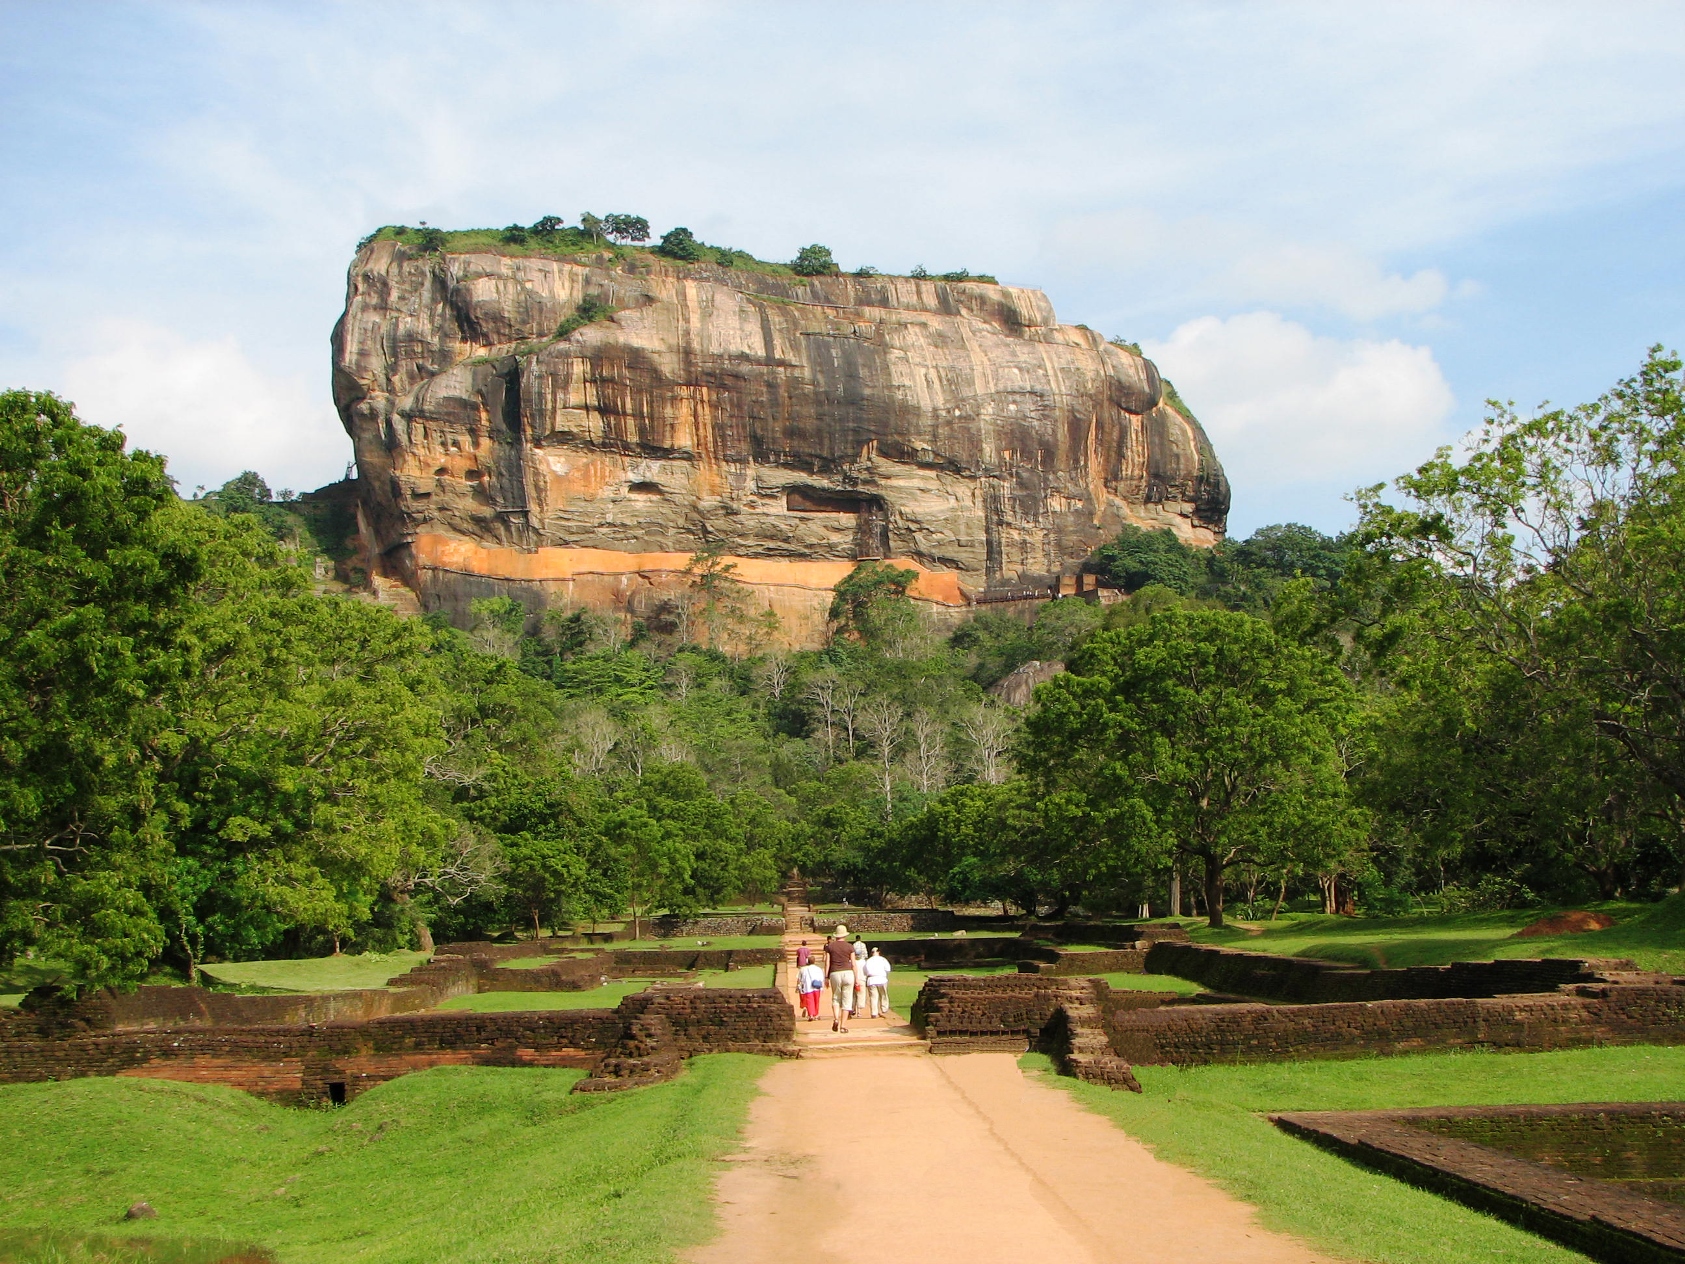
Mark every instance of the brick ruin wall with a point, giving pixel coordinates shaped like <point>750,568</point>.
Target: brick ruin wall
<point>1195,1035</point>
<point>1308,981</point>
<point>1013,1012</point>
<point>1630,1218</point>
<point>300,1063</point>
<point>888,921</point>
<point>707,924</point>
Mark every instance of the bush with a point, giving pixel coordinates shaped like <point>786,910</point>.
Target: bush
<point>430,241</point>
<point>866,270</point>
<point>680,243</point>
<point>1492,893</point>
<point>814,260</point>
<point>589,310</point>
<point>548,226</point>
<point>918,272</point>
<point>626,227</point>
<point>1138,558</point>
<point>962,274</point>
<point>515,235</point>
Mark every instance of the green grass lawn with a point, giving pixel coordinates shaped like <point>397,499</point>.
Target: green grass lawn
<point>466,1164</point>
<point>1653,935</point>
<point>1152,983</point>
<point>1211,1120</point>
<point>318,974</point>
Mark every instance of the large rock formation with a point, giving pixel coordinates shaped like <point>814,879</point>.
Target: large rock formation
<point>796,426</point>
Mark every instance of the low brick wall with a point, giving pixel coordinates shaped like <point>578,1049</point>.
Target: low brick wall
<point>634,962</point>
<point>887,921</point>
<point>336,1061</point>
<point>1013,1013</point>
<point>1125,935</point>
<point>578,974</point>
<point>710,924</point>
<point>1606,1220</point>
<point>176,1007</point>
<point>1194,1035</point>
<point>1061,963</point>
<point>957,952</point>
<point>1305,980</point>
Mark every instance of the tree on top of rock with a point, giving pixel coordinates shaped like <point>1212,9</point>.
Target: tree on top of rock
<point>626,227</point>
<point>680,243</point>
<point>814,260</point>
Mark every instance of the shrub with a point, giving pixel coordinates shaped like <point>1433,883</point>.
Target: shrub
<point>626,227</point>
<point>918,272</point>
<point>814,260</point>
<point>548,225</point>
<point>515,234</point>
<point>962,274</point>
<point>680,243</point>
<point>589,310</point>
<point>866,270</point>
<point>727,257</point>
<point>1493,891</point>
<point>430,241</point>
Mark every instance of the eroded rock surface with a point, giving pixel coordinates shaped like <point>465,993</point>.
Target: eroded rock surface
<point>797,426</point>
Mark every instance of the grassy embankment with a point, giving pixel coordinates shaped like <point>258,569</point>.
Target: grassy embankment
<point>570,243</point>
<point>1211,1120</point>
<point>417,1170</point>
<point>1653,935</point>
<point>317,974</point>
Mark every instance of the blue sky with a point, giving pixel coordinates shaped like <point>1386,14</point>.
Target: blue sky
<point>1339,228</point>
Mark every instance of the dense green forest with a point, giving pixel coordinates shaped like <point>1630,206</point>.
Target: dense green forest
<point>1476,698</point>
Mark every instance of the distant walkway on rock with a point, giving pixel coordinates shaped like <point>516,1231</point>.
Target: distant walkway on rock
<point>961,1160</point>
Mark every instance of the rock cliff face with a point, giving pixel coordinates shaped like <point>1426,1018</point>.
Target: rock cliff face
<point>794,426</point>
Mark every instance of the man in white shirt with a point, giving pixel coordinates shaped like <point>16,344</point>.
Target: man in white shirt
<point>859,973</point>
<point>876,972</point>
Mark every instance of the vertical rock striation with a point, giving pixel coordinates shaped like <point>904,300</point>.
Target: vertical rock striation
<point>795,426</point>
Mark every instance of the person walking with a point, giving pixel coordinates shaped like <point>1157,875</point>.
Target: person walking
<point>859,974</point>
<point>877,970</point>
<point>810,982</point>
<point>839,966</point>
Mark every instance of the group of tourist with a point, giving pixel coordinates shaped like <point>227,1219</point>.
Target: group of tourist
<point>858,978</point>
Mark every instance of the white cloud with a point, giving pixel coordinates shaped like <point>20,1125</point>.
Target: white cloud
<point>1229,262</point>
<point>1289,409</point>
<point>206,406</point>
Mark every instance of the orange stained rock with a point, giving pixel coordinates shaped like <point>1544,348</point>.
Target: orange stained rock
<point>453,553</point>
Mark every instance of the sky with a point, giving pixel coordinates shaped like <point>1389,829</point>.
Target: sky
<point>1338,228</point>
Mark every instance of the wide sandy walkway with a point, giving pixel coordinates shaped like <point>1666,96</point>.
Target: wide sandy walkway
<point>878,1159</point>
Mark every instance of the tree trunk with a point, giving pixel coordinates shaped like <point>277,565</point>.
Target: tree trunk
<point>536,932</point>
<point>1176,890</point>
<point>1281,896</point>
<point>424,936</point>
<point>1330,892</point>
<point>1213,891</point>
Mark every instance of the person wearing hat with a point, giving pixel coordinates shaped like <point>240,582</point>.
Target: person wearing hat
<point>839,967</point>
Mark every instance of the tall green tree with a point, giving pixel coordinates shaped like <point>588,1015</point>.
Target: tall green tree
<point>94,589</point>
<point>1556,548</point>
<point>1200,733</point>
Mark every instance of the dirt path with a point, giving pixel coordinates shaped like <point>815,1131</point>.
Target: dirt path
<point>880,1159</point>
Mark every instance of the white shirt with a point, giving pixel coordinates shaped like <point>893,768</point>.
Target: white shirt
<point>859,952</point>
<point>877,970</point>
<point>810,978</point>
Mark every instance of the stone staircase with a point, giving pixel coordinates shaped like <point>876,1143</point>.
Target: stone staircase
<point>876,1036</point>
